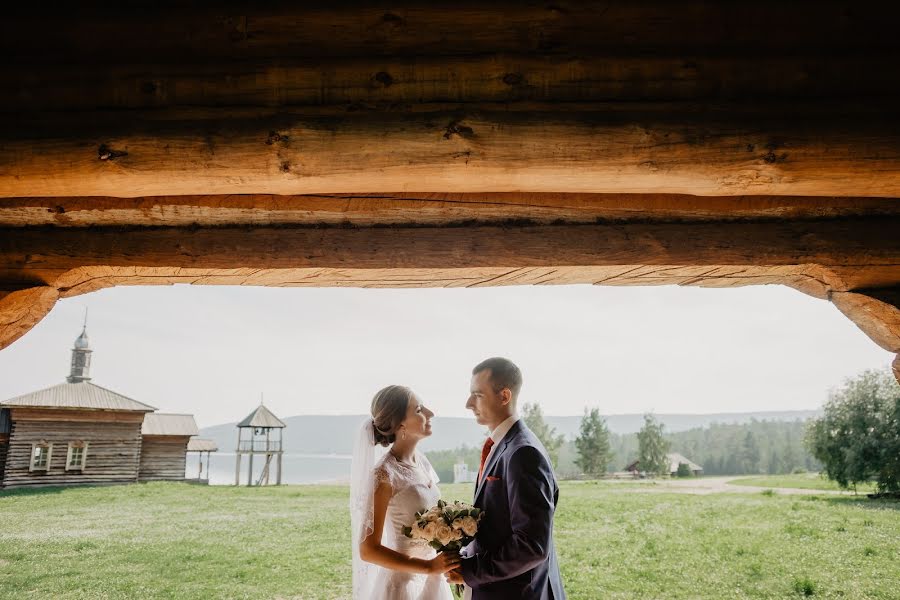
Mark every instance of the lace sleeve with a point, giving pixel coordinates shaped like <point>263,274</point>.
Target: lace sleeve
<point>385,474</point>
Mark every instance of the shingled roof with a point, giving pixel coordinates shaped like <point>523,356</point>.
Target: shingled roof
<point>85,395</point>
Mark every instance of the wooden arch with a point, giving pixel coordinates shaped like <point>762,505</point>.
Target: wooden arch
<point>614,143</point>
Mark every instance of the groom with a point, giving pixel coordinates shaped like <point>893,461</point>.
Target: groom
<point>513,555</point>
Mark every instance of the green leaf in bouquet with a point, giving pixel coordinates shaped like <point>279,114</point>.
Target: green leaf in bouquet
<point>436,545</point>
<point>407,531</point>
<point>441,504</point>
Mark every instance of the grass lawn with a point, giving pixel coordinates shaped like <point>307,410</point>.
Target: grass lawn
<point>181,541</point>
<point>802,481</point>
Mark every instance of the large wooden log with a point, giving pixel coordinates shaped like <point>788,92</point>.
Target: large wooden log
<point>21,310</point>
<point>831,243</point>
<point>428,80</point>
<point>424,209</point>
<point>595,148</point>
<point>815,256</point>
<point>876,312</point>
<point>821,257</point>
<point>174,30</point>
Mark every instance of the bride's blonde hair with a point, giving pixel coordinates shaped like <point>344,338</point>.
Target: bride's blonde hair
<point>389,411</point>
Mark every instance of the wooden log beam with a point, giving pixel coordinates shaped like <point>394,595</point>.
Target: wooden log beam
<point>826,258</point>
<point>876,312</point>
<point>174,30</point>
<point>832,243</point>
<point>588,149</point>
<point>22,310</point>
<point>259,210</point>
<point>466,79</point>
<point>814,256</point>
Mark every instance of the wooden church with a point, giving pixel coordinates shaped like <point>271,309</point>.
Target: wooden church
<point>78,432</point>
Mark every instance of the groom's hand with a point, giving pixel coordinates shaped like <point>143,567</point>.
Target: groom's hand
<point>454,576</point>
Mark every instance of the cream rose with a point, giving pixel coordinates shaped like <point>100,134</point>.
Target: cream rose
<point>443,534</point>
<point>466,524</point>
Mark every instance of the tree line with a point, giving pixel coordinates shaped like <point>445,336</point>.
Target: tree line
<point>856,440</point>
<point>758,447</point>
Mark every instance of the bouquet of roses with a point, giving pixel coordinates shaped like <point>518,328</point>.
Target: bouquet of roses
<point>446,527</point>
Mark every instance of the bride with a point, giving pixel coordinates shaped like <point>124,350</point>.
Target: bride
<point>384,498</point>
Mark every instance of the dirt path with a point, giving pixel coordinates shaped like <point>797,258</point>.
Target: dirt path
<point>714,485</point>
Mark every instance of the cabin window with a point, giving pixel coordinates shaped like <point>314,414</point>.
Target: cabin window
<point>77,456</point>
<point>40,457</point>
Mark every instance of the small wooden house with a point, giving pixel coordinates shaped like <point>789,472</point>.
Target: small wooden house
<point>674,459</point>
<point>72,433</point>
<point>80,433</point>
<point>165,445</point>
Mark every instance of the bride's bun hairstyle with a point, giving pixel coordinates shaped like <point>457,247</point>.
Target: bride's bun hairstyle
<point>389,411</point>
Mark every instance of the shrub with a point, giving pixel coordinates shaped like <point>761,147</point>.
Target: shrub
<point>805,587</point>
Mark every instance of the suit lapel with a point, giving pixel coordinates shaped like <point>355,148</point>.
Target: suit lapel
<point>501,448</point>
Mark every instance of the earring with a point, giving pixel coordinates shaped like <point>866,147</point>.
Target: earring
<point>404,436</point>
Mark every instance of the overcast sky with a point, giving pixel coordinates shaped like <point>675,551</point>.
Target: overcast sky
<point>212,350</point>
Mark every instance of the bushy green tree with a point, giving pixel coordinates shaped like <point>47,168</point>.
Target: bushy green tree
<point>592,444</point>
<point>652,447</point>
<point>858,437</point>
<point>534,419</point>
<point>684,470</point>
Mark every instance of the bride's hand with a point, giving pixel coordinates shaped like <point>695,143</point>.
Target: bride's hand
<point>443,562</point>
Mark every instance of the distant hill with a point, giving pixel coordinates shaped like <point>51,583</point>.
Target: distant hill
<point>322,434</point>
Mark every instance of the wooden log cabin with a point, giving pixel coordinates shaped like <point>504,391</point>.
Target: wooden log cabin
<point>78,433</point>
<point>425,143</point>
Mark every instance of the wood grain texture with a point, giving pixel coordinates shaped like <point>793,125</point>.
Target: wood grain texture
<point>595,150</point>
<point>842,242</point>
<point>75,415</point>
<point>163,458</point>
<point>880,320</point>
<point>816,256</point>
<point>113,453</point>
<point>4,452</point>
<point>399,81</point>
<point>424,208</point>
<point>21,310</point>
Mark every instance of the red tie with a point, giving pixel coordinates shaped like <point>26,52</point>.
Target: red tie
<point>485,450</point>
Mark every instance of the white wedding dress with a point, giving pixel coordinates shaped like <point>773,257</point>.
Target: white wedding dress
<point>415,489</point>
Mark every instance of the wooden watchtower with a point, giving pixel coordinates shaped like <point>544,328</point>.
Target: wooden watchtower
<point>260,433</point>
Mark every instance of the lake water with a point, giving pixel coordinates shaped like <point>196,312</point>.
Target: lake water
<point>298,468</point>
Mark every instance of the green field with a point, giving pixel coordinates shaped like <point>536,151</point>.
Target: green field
<point>183,541</point>
<point>803,481</point>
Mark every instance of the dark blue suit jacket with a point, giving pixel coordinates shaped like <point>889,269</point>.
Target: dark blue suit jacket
<point>513,555</point>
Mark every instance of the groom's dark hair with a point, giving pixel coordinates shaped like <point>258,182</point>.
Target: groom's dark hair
<point>504,374</point>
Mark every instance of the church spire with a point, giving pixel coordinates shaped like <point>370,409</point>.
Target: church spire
<point>81,357</point>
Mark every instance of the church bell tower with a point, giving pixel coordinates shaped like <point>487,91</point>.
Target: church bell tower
<point>81,358</point>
